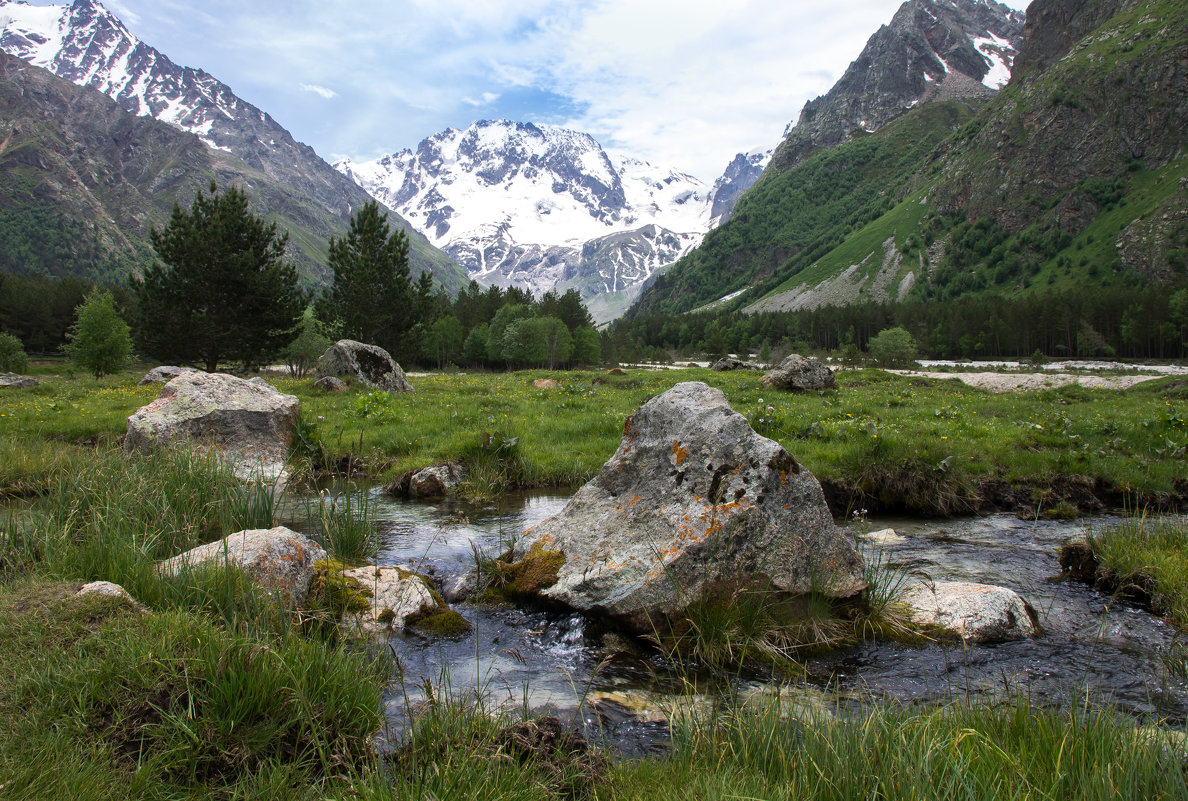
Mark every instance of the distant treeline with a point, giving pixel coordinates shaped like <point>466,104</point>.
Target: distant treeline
<point>39,310</point>
<point>1149,322</point>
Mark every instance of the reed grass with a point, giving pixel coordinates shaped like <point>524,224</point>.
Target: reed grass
<point>1147,557</point>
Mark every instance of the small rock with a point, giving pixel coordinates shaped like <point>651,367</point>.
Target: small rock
<point>163,374</point>
<point>974,612</point>
<point>884,537</point>
<point>398,598</point>
<point>798,374</point>
<point>370,364</point>
<point>330,383</point>
<point>279,559</point>
<point>731,363</point>
<point>545,383</point>
<point>14,381</point>
<point>649,707</point>
<point>428,482</point>
<point>105,588</point>
<point>616,371</point>
<point>459,587</point>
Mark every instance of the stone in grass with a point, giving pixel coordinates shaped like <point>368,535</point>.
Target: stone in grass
<point>692,502</point>
<point>329,383</point>
<point>733,363</point>
<point>14,381</point>
<point>398,598</point>
<point>249,425</point>
<point>545,383</point>
<point>975,612</point>
<point>369,364</point>
<point>798,374</point>
<point>279,559</point>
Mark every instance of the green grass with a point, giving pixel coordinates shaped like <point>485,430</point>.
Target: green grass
<point>1148,558</point>
<point>880,441</point>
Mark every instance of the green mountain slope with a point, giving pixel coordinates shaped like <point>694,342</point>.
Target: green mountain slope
<point>1073,176</point>
<point>82,181</point>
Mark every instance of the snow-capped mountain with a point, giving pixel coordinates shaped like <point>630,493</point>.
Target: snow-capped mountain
<point>540,207</point>
<point>932,49</point>
<point>86,44</point>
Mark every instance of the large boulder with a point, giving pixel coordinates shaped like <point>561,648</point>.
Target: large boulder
<point>279,559</point>
<point>692,503</point>
<point>370,364</point>
<point>163,374</point>
<point>250,425</point>
<point>798,374</point>
<point>974,612</point>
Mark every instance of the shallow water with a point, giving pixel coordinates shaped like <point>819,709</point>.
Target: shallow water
<point>1090,645</point>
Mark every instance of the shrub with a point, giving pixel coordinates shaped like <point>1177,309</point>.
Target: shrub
<point>12,355</point>
<point>893,347</point>
<point>99,340</point>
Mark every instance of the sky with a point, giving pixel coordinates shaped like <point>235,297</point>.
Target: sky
<point>682,83</point>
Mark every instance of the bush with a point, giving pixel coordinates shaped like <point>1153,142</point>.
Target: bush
<point>12,355</point>
<point>893,347</point>
<point>99,339</point>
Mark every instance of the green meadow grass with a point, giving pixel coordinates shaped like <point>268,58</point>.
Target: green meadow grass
<point>1150,556</point>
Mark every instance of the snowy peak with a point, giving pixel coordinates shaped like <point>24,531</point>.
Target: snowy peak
<point>931,50</point>
<point>517,204</point>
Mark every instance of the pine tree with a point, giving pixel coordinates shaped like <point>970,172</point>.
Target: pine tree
<point>224,292</point>
<point>371,298</point>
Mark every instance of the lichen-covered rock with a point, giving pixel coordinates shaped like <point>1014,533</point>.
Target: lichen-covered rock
<point>369,364</point>
<point>105,588</point>
<point>330,383</point>
<point>249,425</point>
<point>163,374</point>
<point>14,381</point>
<point>974,612</point>
<point>731,363</point>
<point>693,501</point>
<point>398,598</point>
<point>279,559</point>
<point>428,482</point>
<point>798,374</point>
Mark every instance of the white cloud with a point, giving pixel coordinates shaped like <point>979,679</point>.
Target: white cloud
<point>487,99</point>
<point>321,91</point>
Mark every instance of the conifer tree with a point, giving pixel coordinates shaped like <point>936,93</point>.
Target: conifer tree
<point>224,291</point>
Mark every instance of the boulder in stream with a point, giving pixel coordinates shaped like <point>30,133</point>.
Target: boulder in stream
<point>428,482</point>
<point>249,425</point>
<point>391,598</point>
<point>370,364</point>
<point>693,503</point>
<point>974,612</point>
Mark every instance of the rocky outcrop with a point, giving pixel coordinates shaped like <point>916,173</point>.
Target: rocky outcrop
<point>693,502</point>
<point>798,374</point>
<point>428,482</point>
<point>395,598</point>
<point>14,381</point>
<point>163,374</point>
<point>369,364</point>
<point>279,559</point>
<point>249,425</point>
<point>974,612</point>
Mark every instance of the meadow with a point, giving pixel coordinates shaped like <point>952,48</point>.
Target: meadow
<point>207,688</point>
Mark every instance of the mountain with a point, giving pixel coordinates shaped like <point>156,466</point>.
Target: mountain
<point>1071,178</point>
<point>540,207</point>
<point>930,51</point>
<point>87,45</point>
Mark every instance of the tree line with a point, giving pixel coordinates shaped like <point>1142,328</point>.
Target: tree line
<point>1125,322</point>
<point>222,292</point>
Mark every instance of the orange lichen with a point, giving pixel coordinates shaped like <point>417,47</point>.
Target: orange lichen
<point>680,453</point>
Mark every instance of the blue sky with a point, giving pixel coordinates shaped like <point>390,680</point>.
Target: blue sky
<point>684,83</point>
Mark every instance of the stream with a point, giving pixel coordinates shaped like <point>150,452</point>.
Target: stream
<point>1091,646</point>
